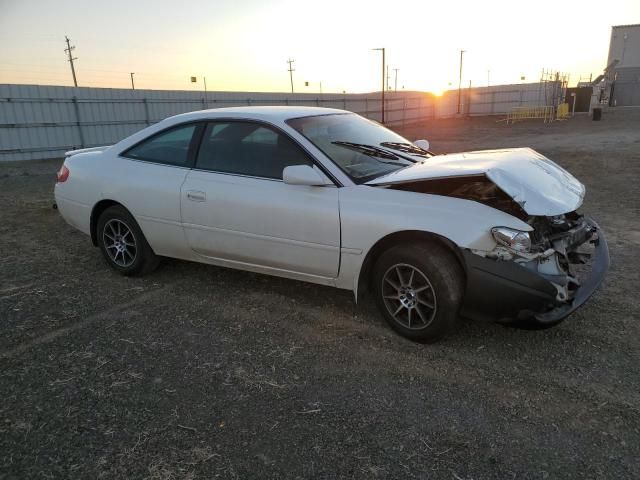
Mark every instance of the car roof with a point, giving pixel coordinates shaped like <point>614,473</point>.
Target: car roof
<point>271,113</point>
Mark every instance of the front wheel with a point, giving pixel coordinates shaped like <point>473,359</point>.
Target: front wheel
<point>122,243</point>
<point>419,289</point>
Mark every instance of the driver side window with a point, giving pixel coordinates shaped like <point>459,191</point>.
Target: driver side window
<point>248,148</point>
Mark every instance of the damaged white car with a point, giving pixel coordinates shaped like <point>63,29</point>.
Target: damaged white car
<point>328,197</point>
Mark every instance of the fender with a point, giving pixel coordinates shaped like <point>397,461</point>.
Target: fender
<point>368,214</point>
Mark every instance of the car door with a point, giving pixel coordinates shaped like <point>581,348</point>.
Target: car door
<point>147,178</point>
<point>236,207</point>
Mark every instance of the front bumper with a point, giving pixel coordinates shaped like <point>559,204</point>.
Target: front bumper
<point>599,269</point>
<point>503,290</point>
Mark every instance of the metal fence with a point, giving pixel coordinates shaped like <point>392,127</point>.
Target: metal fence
<point>39,122</point>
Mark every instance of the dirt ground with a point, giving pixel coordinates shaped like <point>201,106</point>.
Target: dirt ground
<point>202,372</point>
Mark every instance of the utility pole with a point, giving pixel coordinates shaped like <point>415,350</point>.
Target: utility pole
<point>460,81</point>
<point>133,85</point>
<point>71,59</point>
<point>383,71</point>
<point>291,70</point>
<point>488,82</point>
<point>395,86</point>
<point>204,79</point>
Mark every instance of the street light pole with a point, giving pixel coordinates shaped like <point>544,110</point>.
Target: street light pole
<point>388,77</point>
<point>133,86</point>
<point>460,81</point>
<point>383,75</point>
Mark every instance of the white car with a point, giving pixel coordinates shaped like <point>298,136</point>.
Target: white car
<point>328,197</point>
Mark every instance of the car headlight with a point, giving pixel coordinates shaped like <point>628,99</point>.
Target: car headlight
<point>513,239</point>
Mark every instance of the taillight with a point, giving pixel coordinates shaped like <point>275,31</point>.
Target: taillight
<point>63,174</point>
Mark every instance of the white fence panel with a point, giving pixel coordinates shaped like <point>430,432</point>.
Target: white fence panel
<point>45,121</point>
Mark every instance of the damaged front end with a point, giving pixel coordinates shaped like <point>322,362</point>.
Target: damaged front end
<point>537,277</point>
<point>566,260</point>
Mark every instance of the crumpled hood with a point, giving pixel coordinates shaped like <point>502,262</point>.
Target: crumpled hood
<point>538,185</point>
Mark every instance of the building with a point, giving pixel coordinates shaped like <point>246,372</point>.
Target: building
<point>623,65</point>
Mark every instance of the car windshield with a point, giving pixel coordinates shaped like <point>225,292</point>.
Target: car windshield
<point>363,149</point>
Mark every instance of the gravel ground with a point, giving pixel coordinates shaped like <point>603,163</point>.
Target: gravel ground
<point>202,372</point>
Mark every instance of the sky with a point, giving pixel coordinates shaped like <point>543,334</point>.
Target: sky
<point>244,45</point>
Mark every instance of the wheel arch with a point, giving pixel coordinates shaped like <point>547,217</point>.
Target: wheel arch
<point>397,238</point>
<point>97,210</point>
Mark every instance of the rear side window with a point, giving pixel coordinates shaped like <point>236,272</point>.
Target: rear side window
<point>170,147</point>
<point>247,148</point>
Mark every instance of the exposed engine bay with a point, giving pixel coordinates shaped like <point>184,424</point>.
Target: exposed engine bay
<point>478,188</point>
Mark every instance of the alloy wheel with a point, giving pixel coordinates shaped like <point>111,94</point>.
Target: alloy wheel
<point>119,242</point>
<point>408,296</point>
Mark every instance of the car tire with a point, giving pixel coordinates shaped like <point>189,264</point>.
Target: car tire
<point>419,290</point>
<point>123,244</point>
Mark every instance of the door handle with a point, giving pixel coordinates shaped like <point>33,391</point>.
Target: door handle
<point>196,196</point>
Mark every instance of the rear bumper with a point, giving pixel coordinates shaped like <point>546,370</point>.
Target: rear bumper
<point>506,291</point>
<point>74,213</point>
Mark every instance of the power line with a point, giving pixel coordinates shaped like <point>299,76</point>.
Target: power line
<point>71,59</point>
<point>40,62</point>
<point>291,70</point>
<point>36,71</point>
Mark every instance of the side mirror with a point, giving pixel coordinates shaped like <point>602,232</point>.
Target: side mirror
<point>302,175</point>
<point>423,144</point>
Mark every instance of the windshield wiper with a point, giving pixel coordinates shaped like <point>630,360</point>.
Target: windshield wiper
<point>406,148</point>
<point>370,150</point>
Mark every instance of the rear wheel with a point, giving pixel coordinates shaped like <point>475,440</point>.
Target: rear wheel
<point>122,243</point>
<point>418,289</point>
